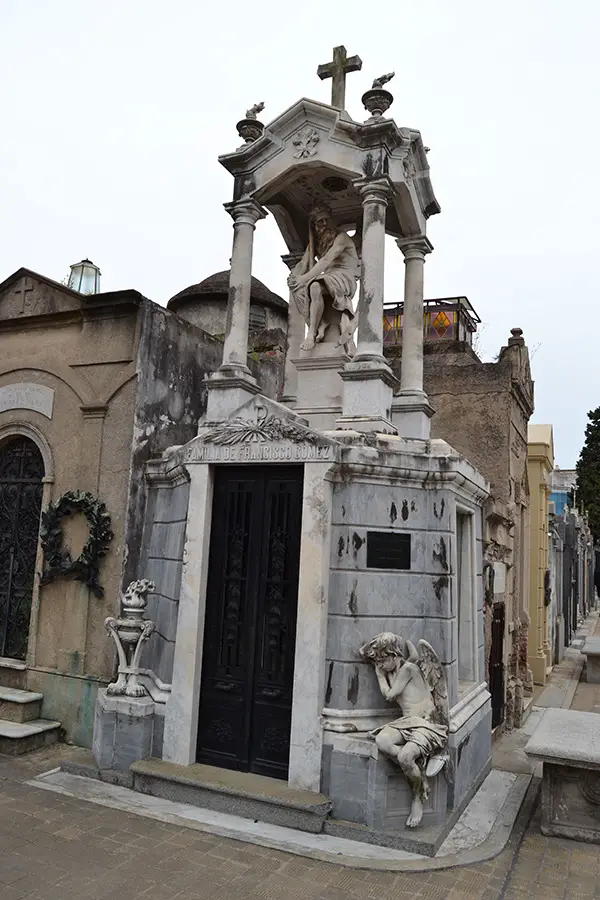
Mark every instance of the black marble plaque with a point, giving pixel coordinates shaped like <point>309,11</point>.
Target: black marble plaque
<point>386,550</point>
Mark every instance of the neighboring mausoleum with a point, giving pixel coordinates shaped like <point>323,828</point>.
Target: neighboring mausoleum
<point>92,385</point>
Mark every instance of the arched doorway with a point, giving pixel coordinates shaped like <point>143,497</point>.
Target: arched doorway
<point>21,474</point>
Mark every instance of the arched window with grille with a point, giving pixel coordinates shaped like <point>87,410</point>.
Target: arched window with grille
<point>21,474</point>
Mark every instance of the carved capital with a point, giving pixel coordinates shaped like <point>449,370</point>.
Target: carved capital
<point>416,247</point>
<point>374,190</point>
<point>245,212</point>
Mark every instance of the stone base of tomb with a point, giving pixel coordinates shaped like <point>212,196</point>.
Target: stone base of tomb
<point>565,742</point>
<point>591,651</point>
<point>371,799</point>
<point>126,729</point>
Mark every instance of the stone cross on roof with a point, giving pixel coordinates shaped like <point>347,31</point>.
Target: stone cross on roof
<point>336,70</point>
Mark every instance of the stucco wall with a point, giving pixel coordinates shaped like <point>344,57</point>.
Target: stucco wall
<point>82,349</point>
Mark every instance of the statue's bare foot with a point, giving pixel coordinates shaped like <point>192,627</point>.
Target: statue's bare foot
<point>416,813</point>
<point>321,332</point>
<point>308,343</point>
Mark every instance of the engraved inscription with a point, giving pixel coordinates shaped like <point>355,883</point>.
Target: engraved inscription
<point>254,452</point>
<point>26,395</point>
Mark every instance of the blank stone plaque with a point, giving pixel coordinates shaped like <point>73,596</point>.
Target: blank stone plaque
<point>386,550</point>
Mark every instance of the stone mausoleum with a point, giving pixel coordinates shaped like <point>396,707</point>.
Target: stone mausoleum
<point>313,646</point>
<point>304,641</point>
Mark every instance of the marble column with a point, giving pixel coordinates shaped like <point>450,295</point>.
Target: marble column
<point>368,380</point>
<point>181,713</point>
<point>232,384</point>
<point>375,195</point>
<point>412,411</point>
<point>295,336</point>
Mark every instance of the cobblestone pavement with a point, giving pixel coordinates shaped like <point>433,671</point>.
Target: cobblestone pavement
<point>54,847</point>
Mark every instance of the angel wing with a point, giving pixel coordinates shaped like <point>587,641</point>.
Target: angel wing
<point>433,673</point>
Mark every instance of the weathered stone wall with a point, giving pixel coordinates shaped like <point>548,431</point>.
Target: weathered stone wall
<point>161,560</point>
<point>417,603</point>
<point>482,410</point>
<point>173,361</point>
<point>266,359</point>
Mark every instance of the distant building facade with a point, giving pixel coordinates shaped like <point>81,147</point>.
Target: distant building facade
<point>571,563</point>
<point>540,462</point>
<point>563,485</point>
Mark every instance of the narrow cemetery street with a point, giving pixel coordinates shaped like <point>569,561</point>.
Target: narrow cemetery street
<point>56,847</point>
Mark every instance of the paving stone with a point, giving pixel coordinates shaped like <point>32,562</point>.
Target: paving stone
<point>59,848</point>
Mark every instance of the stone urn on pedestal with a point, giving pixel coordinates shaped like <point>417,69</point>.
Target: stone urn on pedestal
<point>377,101</point>
<point>129,632</point>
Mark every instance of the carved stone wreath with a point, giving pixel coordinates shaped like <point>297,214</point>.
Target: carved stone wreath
<point>58,562</point>
<point>270,428</point>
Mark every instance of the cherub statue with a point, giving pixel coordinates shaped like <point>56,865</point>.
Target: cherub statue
<point>254,110</point>
<point>378,83</point>
<point>324,282</point>
<point>417,741</point>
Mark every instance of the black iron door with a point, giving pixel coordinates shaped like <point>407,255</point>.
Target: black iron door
<point>21,473</point>
<point>250,627</point>
<point>496,672</point>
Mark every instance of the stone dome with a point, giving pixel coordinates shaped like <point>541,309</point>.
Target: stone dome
<point>205,305</point>
<point>217,285</point>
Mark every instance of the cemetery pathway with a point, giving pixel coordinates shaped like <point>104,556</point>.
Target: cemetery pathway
<point>55,847</point>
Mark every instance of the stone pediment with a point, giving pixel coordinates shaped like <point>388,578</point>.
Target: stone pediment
<point>261,430</point>
<point>25,294</point>
<point>313,151</point>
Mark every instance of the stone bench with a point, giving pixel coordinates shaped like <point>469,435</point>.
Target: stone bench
<point>591,651</point>
<point>567,743</point>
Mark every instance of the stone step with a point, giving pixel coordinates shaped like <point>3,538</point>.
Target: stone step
<point>17,705</point>
<point>22,737</point>
<point>13,673</point>
<point>239,793</point>
<point>527,708</point>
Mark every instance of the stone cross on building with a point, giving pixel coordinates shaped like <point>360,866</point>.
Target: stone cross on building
<point>337,70</point>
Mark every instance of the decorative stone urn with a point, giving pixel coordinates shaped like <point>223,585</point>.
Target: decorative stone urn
<point>129,633</point>
<point>377,102</point>
<point>250,129</point>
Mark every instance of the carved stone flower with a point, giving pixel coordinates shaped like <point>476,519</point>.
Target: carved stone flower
<point>306,142</point>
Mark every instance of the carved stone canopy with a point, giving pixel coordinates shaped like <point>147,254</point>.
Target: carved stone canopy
<point>316,153</point>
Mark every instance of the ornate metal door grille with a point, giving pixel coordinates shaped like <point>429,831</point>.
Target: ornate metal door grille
<point>248,658</point>
<point>496,672</point>
<point>21,473</point>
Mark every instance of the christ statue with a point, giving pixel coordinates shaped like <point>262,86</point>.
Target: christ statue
<point>324,282</point>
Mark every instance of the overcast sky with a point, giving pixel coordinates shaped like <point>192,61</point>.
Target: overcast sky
<point>113,114</point>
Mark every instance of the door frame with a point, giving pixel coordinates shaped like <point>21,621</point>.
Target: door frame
<point>26,429</point>
<point>181,714</point>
